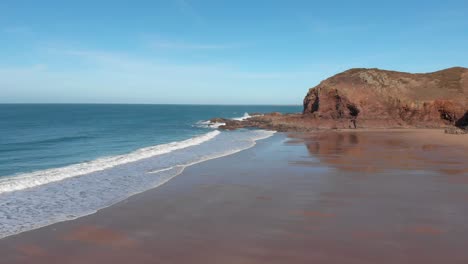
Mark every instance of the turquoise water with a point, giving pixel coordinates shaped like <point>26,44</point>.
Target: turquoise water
<point>60,162</point>
<point>36,137</point>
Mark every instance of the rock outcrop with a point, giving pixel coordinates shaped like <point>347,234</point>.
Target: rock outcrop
<point>373,98</point>
<point>379,98</point>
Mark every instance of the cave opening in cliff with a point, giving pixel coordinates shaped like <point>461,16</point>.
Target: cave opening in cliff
<point>463,122</point>
<point>353,110</point>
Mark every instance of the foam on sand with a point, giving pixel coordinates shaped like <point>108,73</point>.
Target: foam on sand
<point>64,196</point>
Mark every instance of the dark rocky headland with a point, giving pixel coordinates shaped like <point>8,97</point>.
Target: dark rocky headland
<point>374,98</point>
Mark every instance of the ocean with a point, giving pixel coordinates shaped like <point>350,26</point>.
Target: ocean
<point>63,161</point>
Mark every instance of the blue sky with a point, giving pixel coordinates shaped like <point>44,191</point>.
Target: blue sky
<point>215,52</point>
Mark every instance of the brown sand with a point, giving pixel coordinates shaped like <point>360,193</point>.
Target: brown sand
<point>328,197</point>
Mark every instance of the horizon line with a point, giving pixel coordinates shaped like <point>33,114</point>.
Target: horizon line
<point>193,104</point>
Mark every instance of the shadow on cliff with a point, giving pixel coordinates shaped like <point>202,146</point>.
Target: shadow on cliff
<point>463,122</point>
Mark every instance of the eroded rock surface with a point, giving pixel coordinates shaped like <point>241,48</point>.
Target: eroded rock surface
<point>373,98</point>
<point>379,98</point>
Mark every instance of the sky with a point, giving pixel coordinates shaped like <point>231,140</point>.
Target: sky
<point>215,52</point>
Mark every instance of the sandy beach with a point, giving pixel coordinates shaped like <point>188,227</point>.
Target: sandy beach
<point>357,197</point>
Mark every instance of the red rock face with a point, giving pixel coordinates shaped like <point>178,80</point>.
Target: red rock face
<point>378,98</point>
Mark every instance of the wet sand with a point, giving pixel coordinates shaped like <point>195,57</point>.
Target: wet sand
<point>327,197</point>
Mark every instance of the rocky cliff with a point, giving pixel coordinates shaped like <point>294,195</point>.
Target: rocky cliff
<point>379,98</point>
<point>373,98</point>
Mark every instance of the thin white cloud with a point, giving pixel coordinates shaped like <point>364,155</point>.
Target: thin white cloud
<point>131,64</point>
<point>17,30</point>
<point>331,28</point>
<point>106,76</point>
<point>165,44</point>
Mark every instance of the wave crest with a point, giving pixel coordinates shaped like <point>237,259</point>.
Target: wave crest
<point>215,125</point>
<point>33,179</point>
<point>73,197</point>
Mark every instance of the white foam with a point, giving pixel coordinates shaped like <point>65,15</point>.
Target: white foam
<point>242,118</point>
<point>209,124</point>
<point>74,197</point>
<point>215,125</point>
<point>33,179</point>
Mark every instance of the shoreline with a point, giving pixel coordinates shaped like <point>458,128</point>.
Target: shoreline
<point>297,122</point>
<point>173,171</point>
<point>245,207</point>
<point>436,133</point>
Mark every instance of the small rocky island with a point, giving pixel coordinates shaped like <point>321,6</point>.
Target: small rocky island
<point>374,98</point>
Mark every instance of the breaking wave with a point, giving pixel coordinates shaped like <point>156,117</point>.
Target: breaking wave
<point>28,180</point>
<point>215,125</point>
<point>49,196</point>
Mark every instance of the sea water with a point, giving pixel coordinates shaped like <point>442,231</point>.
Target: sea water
<point>59,162</point>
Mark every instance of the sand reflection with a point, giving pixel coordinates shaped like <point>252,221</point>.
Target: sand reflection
<point>380,151</point>
<point>100,236</point>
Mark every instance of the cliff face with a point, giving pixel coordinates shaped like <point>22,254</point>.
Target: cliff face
<point>373,98</point>
<point>379,98</point>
